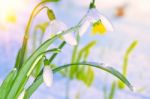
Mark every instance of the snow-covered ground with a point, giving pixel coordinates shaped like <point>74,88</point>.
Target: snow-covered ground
<point>134,25</point>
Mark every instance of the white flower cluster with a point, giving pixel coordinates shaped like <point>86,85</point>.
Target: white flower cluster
<point>99,23</point>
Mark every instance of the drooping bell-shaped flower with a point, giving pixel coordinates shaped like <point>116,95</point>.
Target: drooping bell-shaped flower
<point>48,76</point>
<point>57,27</point>
<point>21,96</point>
<point>100,24</point>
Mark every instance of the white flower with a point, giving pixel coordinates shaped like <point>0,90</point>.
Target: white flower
<point>21,96</point>
<point>100,24</point>
<point>48,76</point>
<point>57,27</point>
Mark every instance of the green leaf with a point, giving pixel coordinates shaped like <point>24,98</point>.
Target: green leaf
<point>37,82</point>
<point>83,54</point>
<point>17,65</point>
<point>125,62</point>
<point>27,66</point>
<point>131,47</point>
<point>28,63</point>
<point>89,76</point>
<point>38,68</point>
<point>80,74</point>
<point>7,83</point>
<point>112,91</point>
<point>110,70</point>
<point>51,14</point>
<point>26,34</point>
<point>100,66</point>
<point>42,26</point>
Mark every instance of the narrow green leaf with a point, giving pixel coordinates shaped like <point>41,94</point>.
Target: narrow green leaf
<point>21,87</point>
<point>38,67</point>
<point>80,74</point>
<point>18,59</point>
<point>125,62</point>
<point>7,83</point>
<point>131,47</point>
<point>40,56</point>
<point>110,70</point>
<point>26,34</point>
<point>90,76</point>
<point>38,81</point>
<point>42,26</point>
<point>112,91</point>
<point>83,54</point>
<point>100,66</point>
<point>27,65</point>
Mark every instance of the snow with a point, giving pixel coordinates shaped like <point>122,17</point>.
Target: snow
<point>135,25</point>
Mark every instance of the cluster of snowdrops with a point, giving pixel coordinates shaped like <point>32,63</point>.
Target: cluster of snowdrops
<point>14,83</point>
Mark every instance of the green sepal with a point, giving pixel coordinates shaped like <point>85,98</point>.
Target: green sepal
<point>51,14</point>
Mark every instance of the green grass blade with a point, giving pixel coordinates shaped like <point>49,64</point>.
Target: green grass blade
<point>38,68</point>
<point>7,83</point>
<point>89,77</point>
<point>110,70</point>
<point>100,66</point>
<point>125,62</point>
<point>27,65</point>
<point>26,34</point>
<point>83,53</point>
<point>112,91</point>
<point>17,64</point>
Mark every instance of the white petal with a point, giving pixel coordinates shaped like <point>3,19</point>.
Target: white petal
<point>48,76</point>
<point>85,24</point>
<point>94,13</point>
<point>21,96</point>
<point>70,39</point>
<point>84,27</point>
<point>57,26</point>
<point>106,23</point>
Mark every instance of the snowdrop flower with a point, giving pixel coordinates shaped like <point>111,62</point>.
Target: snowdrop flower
<point>21,96</point>
<point>57,26</point>
<point>48,76</point>
<point>100,24</point>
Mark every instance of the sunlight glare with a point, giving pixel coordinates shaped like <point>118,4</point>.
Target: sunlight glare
<point>8,10</point>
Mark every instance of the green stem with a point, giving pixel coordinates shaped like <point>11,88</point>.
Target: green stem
<point>74,56</point>
<point>37,80</point>
<point>55,54</point>
<point>92,4</point>
<point>93,1</point>
<point>112,91</point>
<point>55,50</point>
<point>26,35</point>
<point>28,63</point>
